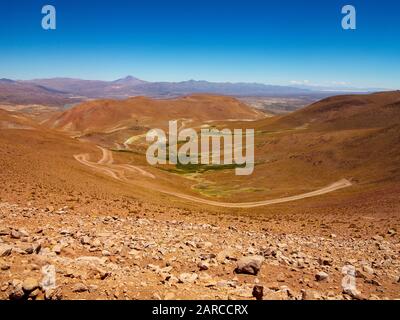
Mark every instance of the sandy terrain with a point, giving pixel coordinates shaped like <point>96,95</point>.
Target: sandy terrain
<point>79,221</point>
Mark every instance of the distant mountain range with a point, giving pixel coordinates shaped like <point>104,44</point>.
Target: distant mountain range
<point>62,91</point>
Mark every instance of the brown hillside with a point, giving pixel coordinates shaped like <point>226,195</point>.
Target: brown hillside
<point>12,120</point>
<point>103,115</point>
<point>344,112</point>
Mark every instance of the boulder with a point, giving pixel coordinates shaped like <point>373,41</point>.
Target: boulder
<point>249,265</point>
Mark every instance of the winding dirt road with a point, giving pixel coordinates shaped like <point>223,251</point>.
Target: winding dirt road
<point>117,171</point>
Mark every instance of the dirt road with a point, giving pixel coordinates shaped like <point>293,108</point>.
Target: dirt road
<point>117,171</point>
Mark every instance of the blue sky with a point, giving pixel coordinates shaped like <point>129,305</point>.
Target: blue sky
<point>277,42</point>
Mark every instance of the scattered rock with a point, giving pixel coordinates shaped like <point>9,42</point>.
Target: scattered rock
<point>57,248</point>
<point>15,234</point>
<point>122,248</point>
<point>321,276</point>
<point>53,294</point>
<point>16,292</point>
<point>207,256</point>
<point>258,292</point>
<point>229,254</point>
<point>249,265</point>
<point>5,250</point>
<point>310,294</point>
<point>203,266</point>
<point>4,267</point>
<point>368,270</point>
<point>187,277</point>
<point>353,292</point>
<point>30,284</point>
<point>80,287</point>
<point>277,295</point>
<point>325,261</point>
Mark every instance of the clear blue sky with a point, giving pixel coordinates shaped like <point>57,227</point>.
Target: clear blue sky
<point>278,42</point>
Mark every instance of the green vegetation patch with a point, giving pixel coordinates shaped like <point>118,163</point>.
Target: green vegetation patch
<point>201,168</point>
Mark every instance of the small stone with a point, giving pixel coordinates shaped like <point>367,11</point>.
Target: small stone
<point>249,265</point>
<point>207,256</point>
<point>85,240</point>
<point>5,250</point>
<point>374,282</point>
<point>277,295</point>
<point>258,292</point>
<point>34,293</point>
<point>37,247</point>
<point>310,294</point>
<point>23,233</point>
<point>229,254</point>
<point>15,234</point>
<point>53,294</point>
<point>16,293</point>
<point>80,287</point>
<point>106,253</point>
<point>368,270</point>
<point>66,232</point>
<point>57,249</point>
<point>352,292</point>
<point>360,274</point>
<point>203,266</point>
<point>4,286</point>
<point>321,276</point>
<point>26,249</point>
<point>30,284</point>
<point>325,261</point>
<point>187,277</point>
<point>4,267</point>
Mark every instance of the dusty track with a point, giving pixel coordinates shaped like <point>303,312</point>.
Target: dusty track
<point>106,165</point>
<point>116,171</point>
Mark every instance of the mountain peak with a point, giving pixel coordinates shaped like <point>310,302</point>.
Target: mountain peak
<point>130,78</point>
<point>129,81</point>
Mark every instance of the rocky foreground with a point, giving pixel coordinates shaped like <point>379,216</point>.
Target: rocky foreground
<point>57,253</point>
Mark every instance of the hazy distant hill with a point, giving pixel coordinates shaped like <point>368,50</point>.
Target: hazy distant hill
<point>60,91</point>
<point>131,86</point>
<point>17,92</point>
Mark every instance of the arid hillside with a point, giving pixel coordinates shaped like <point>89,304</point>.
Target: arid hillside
<point>352,136</point>
<point>375,110</point>
<point>15,92</point>
<point>102,223</point>
<point>110,115</point>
